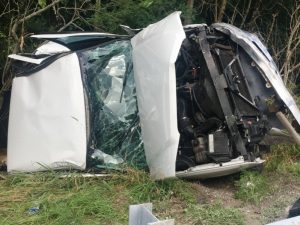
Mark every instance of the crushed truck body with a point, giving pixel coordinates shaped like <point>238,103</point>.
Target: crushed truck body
<point>192,101</point>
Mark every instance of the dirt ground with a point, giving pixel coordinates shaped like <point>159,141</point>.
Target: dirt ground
<point>274,207</point>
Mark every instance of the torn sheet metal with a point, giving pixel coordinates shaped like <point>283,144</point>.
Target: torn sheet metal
<point>27,59</point>
<point>253,46</point>
<point>155,50</point>
<point>78,41</point>
<point>68,35</point>
<point>47,124</point>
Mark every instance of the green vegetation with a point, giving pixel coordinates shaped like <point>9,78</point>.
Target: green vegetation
<point>284,159</point>
<point>252,187</point>
<point>140,188</point>
<point>78,200</point>
<point>105,200</point>
<point>276,22</point>
<point>72,200</point>
<point>216,214</point>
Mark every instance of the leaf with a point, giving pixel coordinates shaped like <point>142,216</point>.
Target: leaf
<point>147,3</point>
<point>2,35</point>
<point>42,3</point>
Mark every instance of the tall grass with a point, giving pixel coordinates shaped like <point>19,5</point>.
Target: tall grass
<point>284,158</point>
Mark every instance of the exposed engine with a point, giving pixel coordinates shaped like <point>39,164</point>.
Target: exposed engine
<point>222,100</point>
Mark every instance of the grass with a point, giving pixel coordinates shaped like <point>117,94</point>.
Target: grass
<point>61,201</point>
<point>78,200</point>
<point>252,187</point>
<point>275,210</point>
<point>284,158</point>
<point>215,214</point>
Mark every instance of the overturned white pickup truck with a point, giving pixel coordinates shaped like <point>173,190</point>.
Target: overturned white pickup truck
<point>195,101</point>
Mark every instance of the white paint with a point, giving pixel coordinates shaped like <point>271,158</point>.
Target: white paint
<point>47,125</point>
<point>51,48</point>
<point>50,36</point>
<point>27,59</point>
<point>155,50</point>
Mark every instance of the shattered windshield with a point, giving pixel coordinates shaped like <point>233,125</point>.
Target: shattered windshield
<point>114,123</point>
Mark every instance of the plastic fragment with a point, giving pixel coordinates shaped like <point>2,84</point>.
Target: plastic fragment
<point>33,210</point>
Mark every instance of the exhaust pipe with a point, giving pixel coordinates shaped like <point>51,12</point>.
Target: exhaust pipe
<point>287,125</point>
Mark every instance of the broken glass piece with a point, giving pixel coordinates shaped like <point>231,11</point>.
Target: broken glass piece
<point>105,158</point>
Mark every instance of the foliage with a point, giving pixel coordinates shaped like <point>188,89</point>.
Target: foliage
<point>78,200</point>
<point>277,23</point>
<point>215,214</point>
<point>252,187</point>
<point>135,13</point>
<point>284,158</point>
<point>141,188</point>
<point>61,201</point>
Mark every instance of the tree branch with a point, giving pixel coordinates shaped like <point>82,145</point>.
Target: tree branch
<point>36,13</point>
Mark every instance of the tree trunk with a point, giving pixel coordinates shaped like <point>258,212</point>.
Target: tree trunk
<point>190,6</point>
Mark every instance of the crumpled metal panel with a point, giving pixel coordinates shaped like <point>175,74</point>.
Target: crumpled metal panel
<point>155,50</point>
<point>258,52</point>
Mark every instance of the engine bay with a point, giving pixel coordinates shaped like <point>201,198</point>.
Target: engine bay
<point>222,100</point>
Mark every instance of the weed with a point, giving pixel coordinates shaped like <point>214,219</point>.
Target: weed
<point>284,159</point>
<point>71,200</point>
<point>294,168</point>
<point>275,210</point>
<point>215,214</point>
<point>78,200</point>
<point>252,187</point>
<point>141,188</point>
